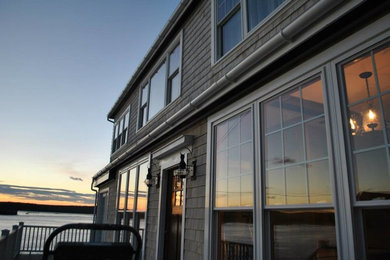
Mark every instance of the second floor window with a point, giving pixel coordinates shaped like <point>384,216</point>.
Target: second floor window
<point>163,87</point>
<point>121,131</point>
<point>231,16</point>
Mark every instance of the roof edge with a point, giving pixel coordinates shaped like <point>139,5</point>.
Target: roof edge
<point>161,38</point>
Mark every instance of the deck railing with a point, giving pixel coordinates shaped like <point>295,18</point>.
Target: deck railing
<point>29,239</point>
<point>236,251</point>
<point>10,242</point>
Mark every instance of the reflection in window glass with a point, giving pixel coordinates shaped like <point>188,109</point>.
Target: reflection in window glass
<point>142,188</point>
<point>296,185</point>
<point>224,7</point>
<point>359,79</point>
<point>315,139</point>
<point>131,189</point>
<point>275,187</point>
<point>258,10</point>
<point>272,115</point>
<point>319,182</point>
<point>122,191</point>
<point>313,104</point>
<point>372,174</point>
<point>291,108</point>
<point>174,60</point>
<point>368,121</point>
<point>235,235</point>
<point>298,235</point>
<point>366,129</point>
<point>296,155</point>
<point>157,91</point>
<point>377,233</point>
<point>233,168</point>
<point>293,144</point>
<point>230,33</point>
<point>174,88</point>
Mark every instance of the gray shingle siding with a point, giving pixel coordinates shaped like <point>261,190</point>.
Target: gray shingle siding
<point>198,74</point>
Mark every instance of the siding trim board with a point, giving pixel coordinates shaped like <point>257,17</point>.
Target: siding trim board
<point>289,38</point>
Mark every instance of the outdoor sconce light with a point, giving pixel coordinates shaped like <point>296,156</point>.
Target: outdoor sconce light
<point>184,169</point>
<point>149,180</point>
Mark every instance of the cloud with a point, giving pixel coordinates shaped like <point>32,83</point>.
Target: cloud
<point>75,178</point>
<point>47,194</point>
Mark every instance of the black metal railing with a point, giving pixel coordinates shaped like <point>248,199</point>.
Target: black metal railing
<point>236,251</point>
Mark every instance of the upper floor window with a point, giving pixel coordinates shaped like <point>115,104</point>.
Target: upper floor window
<point>232,19</point>
<point>162,88</point>
<point>121,131</point>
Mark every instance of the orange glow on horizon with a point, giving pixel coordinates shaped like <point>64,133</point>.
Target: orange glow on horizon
<point>10,198</point>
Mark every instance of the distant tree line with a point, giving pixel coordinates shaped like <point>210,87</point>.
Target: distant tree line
<point>11,208</point>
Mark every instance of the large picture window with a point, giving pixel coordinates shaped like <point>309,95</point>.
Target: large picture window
<point>295,173</point>
<point>233,204</point>
<point>163,87</point>
<point>230,16</point>
<point>367,122</point>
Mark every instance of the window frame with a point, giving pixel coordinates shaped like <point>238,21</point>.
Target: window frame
<point>122,139</point>
<point>165,58</point>
<point>348,232</point>
<point>216,40</point>
<point>260,210</point>
<point>135,213</point>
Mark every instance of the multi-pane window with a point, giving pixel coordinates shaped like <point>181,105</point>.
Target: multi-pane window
<point>121,131</point>
<point>230,17</point>
<point>233,199</point>
<point>296,172</point>
<point>173,90</point>
<point>143,110</point>
<point>367,98</point>
<point>157,90</point>
<point>163,87</point>
<point>132,197</point>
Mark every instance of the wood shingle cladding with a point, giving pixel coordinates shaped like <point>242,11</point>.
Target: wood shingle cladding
<point>301,43</point>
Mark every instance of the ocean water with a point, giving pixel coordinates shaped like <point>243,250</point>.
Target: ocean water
<point>43,219</point>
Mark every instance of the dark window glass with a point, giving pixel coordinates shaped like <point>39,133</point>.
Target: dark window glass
<point>377,233</point>
<point>230,33</point>
<point>372,173</point>
<point>297,235</point>
<point>235,235</point>
<point>224,7</point>
<point>260,9</point>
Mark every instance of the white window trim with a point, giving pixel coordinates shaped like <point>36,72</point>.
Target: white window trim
<point>245,32</point>
<point>324,63</point>
<point>178,41</point>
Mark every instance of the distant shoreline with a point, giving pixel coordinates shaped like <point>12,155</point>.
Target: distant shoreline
<point>12,208</point>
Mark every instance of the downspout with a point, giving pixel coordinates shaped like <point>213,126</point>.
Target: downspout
<point>95,206</point>
<point>284,37</point>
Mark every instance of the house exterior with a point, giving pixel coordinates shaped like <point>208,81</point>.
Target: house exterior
<point>263,130</point>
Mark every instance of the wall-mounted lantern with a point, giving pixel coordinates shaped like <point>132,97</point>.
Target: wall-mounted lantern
<point>185,170</point>
<point>149,181</point>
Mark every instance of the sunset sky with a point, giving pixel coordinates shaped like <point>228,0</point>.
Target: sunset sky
<point>62,66</point>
